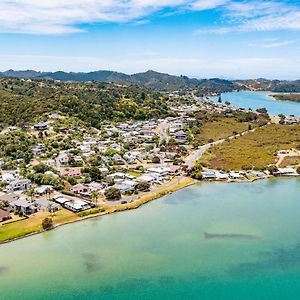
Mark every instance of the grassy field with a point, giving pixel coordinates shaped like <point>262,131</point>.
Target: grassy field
<point>290,161</point>
<point>222,128</point>
<point>33,224</point>
<point>254,150</point>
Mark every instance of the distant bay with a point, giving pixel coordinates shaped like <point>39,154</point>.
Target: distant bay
<point>255,100</point>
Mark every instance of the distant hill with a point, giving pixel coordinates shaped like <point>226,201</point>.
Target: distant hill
<point>161,81</point>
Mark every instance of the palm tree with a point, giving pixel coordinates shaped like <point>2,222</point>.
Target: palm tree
<point>48,193</point>
<point>31,193</point>
<point>95,195</point>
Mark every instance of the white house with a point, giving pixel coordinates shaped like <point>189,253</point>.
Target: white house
<point>19,185</point>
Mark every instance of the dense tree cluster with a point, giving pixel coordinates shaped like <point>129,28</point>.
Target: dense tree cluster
<point>23,102</point>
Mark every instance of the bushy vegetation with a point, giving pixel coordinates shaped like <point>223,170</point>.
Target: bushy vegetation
<point>16,145</point>
<point>210,127</point>
<point>287,97</point>
<point>23,102</point>
<point>255,150</point>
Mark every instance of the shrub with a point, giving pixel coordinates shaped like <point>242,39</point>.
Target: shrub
<point>47,223</point>
<point>112,194</point>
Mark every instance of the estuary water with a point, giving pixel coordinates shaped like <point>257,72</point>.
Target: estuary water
<point>255,100</point>
<point>159,251</point>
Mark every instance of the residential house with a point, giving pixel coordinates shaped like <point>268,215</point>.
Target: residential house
<point>63,158</point>
<point>80,189</point>
<point>235,175</point>
<point>117,176</point>
<point>23,206</point>
<point>126,186</point>
<point>44,189</point>
<point>49,163</point>
<point>46,205</point>
<point>19,185</point>
<point>60,200</point>
<point>39,149</point>
<point>8,177</point>
<point>41,126</point>
<point>51,174</point>
<point>209,174</point>
<point>77,205</point>
<point>289,171</point>
<point>8,198</point>
<point>146,178</point>
<point>72,172</point>
<point>181,136</point>
<point>104,170</point>
<point>4,215</point>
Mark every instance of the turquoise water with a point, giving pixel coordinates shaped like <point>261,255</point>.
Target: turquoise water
<point>159,251</point>
<point>255,100</point>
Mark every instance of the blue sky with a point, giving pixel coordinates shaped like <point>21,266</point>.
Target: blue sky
<point>198,38</point>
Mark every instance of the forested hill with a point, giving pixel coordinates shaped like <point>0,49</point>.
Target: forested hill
<point>150,79</point>
<point>24,102</point>
<point>162,82</point>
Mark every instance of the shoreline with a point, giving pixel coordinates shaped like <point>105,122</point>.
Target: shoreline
<point>144,199</point>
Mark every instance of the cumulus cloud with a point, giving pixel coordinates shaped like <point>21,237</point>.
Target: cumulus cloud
<point>66,16</point>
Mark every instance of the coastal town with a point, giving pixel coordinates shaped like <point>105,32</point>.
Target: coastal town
<point>90,171</point>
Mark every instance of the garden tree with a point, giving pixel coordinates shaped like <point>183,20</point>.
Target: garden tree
<point>112,194</point>
<point>195,172</point>
<point>249,127</point>
<point>47,223</point>
<point>95,195</point>
<point>93,172</point>
<point>273,169</point>
<point>143,186</point>
<point>71,180</point>
<point>227,103</point>
<point>155,139</point>
<point>163,142</point>
<point>155,160</point>
<point>41,168</point>
<point>40,135</point>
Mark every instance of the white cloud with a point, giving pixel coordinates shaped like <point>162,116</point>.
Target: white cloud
<point>259,16</point>
<point>64,16</point>
<point>273,43</point>
<point>209,4</point>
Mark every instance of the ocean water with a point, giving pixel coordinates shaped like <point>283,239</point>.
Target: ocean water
<point>255,100</point>
<point>159,251</point>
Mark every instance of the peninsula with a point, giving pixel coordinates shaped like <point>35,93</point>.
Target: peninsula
<point>287,97</point>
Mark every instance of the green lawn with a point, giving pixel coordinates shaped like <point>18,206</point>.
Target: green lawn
<point>33,224</point>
